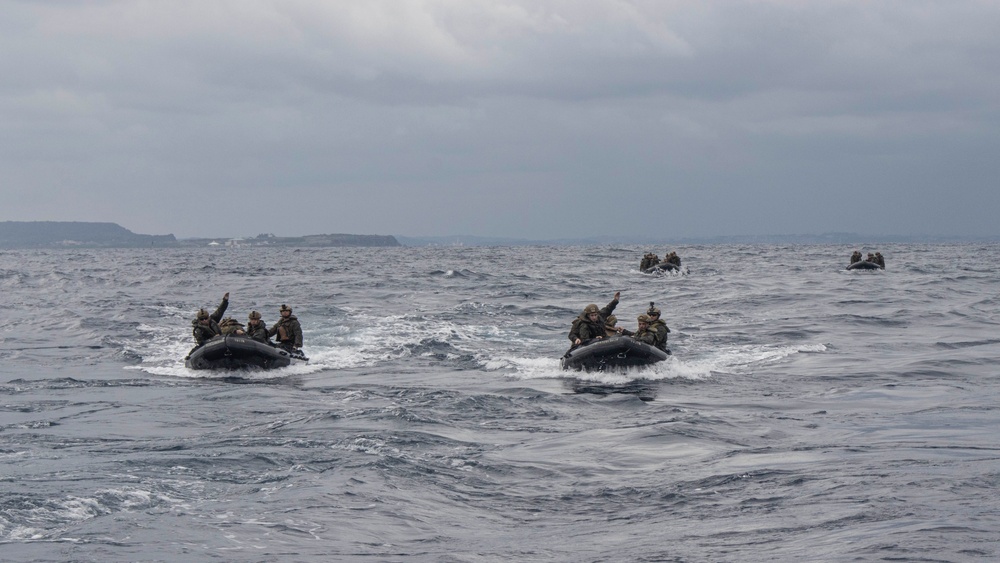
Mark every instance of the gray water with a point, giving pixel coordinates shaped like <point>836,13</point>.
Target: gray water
<point>808,412</point>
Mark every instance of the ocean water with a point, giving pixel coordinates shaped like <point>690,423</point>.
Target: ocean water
<point>809,413</point>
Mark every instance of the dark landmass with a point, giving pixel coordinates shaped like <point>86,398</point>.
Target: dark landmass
<point>72,234</point>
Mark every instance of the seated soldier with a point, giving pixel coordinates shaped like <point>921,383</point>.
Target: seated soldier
<point>643,334</point>
<point>230,325</point>
<point>657,327</point>
<point>612,329</point>
<point>257,329</point>
<point>590,324</point>
<point>205,326</point>
<point>288,331</point>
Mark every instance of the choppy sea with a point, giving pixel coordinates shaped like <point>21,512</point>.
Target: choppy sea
<point>808,413</point>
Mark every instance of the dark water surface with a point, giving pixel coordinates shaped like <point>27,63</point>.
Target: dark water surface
<point>808,412</point>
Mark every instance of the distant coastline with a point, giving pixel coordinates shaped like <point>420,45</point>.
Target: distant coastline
<point>76,234</point>
<point>73,234</point>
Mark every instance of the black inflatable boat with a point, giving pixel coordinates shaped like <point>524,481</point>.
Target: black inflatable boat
<point>613,352</point>
<point>661,267</point>
<point>866,265</point>
<point>239,352</point>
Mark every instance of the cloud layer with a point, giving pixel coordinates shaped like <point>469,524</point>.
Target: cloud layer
<point>503,118</point>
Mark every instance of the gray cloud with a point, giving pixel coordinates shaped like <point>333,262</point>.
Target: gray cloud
<point>516,118</point>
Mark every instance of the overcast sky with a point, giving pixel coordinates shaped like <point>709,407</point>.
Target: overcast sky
<point>519,118</point>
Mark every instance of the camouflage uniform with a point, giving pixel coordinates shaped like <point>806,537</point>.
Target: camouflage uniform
<point>204,333</point>
<point>856,257</point>
<point>257,332</point>
<point>230,325</point>
<point>647,261</point>
<point>659,329</point>
<point>612,329</point>
<point>288,329</point>
<point>642,334</point>
<point>674,259</point>
<point>585,329</point>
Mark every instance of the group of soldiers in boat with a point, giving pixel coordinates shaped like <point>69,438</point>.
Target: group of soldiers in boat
<point>875,258</point>
<point>207,326</point>
<point>595,324</point>
<point>650,260</point>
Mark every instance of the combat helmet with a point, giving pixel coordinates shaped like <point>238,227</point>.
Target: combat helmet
<point>202,314</point>
<point>611,320</point>
<point>254,315</point>
<point>643,319</point>
<point>285,308</point>
<point>592,308</point>
<point>653,309</point>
